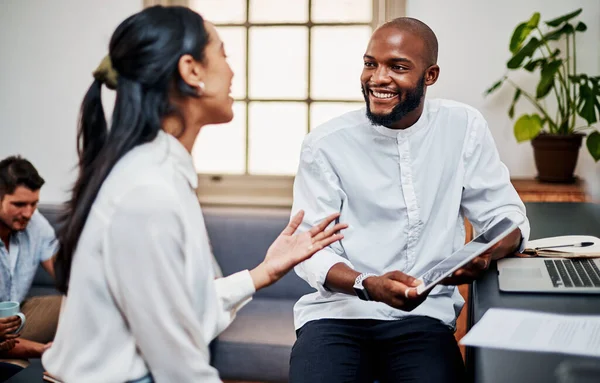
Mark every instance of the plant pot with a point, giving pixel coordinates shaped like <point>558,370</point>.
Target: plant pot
<point>556,156</point>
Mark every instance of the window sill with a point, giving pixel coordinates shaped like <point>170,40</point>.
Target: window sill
<point>245,190</point>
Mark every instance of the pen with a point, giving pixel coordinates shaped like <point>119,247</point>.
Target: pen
<point>578,244</point>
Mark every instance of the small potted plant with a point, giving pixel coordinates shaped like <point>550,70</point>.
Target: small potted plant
<point>556,134</point>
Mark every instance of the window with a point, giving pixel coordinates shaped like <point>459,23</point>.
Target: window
<point>296,63</point>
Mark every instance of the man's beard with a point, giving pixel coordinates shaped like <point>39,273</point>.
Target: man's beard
<point>410,103</point>
<point>11,227</point>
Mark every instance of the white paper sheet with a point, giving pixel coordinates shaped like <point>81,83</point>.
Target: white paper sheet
<point>535,331</point>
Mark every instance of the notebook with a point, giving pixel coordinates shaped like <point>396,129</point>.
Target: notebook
<point>566,246</point>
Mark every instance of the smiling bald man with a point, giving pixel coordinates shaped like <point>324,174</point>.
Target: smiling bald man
<point>404,172</point>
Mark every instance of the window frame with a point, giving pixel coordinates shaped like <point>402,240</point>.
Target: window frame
<point>253,190</point>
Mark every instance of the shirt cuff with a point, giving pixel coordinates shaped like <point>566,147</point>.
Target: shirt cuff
<point>523,226</point>
<point>235,290</point>
<point>323,261</point>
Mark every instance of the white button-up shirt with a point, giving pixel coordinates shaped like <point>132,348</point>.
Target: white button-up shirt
<point>142,294</point>
<point>404,194</point>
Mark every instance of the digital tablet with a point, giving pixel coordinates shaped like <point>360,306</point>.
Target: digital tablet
<point>466,254</point>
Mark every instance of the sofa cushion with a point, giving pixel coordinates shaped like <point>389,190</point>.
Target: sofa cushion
<point>258,343</point>
<point>42,278</point>
<point>38,291</point>
<point>240,238</point>
<point>51,213</point>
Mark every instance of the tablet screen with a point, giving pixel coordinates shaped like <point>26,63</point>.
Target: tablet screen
<point>467,253</point>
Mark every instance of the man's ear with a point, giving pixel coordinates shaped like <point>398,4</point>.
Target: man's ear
<point>190,70</point>
<point>431,75</point>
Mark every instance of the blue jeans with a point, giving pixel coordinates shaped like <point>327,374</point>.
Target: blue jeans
<point>414,349</point>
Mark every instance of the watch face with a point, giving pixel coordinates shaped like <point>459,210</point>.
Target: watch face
<point>361,293</point>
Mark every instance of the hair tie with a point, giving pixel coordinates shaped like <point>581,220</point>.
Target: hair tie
<point>106,74</point>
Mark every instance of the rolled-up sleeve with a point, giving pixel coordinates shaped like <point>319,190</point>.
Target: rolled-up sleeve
<point>488,195</point>
<point>317,192</point>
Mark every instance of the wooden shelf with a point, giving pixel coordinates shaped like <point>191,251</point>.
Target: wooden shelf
<point>532,190</point>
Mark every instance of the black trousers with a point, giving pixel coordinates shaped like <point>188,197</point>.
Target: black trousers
<point>415,349</point>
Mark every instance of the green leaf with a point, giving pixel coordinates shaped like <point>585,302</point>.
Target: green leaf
<point>534,21</point>
<point>519,35</point>
<point>533,64</point>
<point>522,31</point>
<point>557,33</point>
<point>578,78</point>
<point>495,86</point>
<point>559,20</point>
<point>595,88</point>
<point>527,127</point>
<point>596,93</point>
<point>564,127</point>
<point>593,145</point>
<point>511,111</point>
<point>586,104</point>
<point>581,27</point>
<point>527,51</point>
<point>547,78</point>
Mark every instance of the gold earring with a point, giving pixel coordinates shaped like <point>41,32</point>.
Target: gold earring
<point>201,87</point>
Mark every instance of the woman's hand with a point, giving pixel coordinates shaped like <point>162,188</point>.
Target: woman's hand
<point>290,249</point>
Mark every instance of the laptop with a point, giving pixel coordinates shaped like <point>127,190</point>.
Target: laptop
<point>549,275</point>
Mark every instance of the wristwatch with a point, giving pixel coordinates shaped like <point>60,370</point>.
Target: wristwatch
<point>359,289</point>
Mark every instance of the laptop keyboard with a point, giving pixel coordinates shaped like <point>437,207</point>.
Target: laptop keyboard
<point>573,272</point>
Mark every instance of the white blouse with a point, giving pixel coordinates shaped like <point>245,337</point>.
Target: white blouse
<point>143,295</point>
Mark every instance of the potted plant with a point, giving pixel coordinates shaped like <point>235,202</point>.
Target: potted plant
<point>556,134</point>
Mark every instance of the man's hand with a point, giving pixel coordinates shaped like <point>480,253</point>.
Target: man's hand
<point>395,289</point>
<point>9,325</point>
<point>472,271</point>
<point>8,344</point>
<point>478,266</point>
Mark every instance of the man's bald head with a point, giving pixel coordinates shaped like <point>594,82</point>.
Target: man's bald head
<point>421,30</point>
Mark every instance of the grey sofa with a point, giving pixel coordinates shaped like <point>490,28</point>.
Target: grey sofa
<point>257,345</point>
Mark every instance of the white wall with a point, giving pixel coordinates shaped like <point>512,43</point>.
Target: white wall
<point>49,49</point>
<point>48,52</point>
<point>473,40</point>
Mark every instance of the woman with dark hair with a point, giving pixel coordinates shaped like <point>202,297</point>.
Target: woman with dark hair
<point>142,302</point>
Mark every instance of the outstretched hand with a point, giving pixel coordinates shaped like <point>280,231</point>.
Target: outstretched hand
<point>291,248</point>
